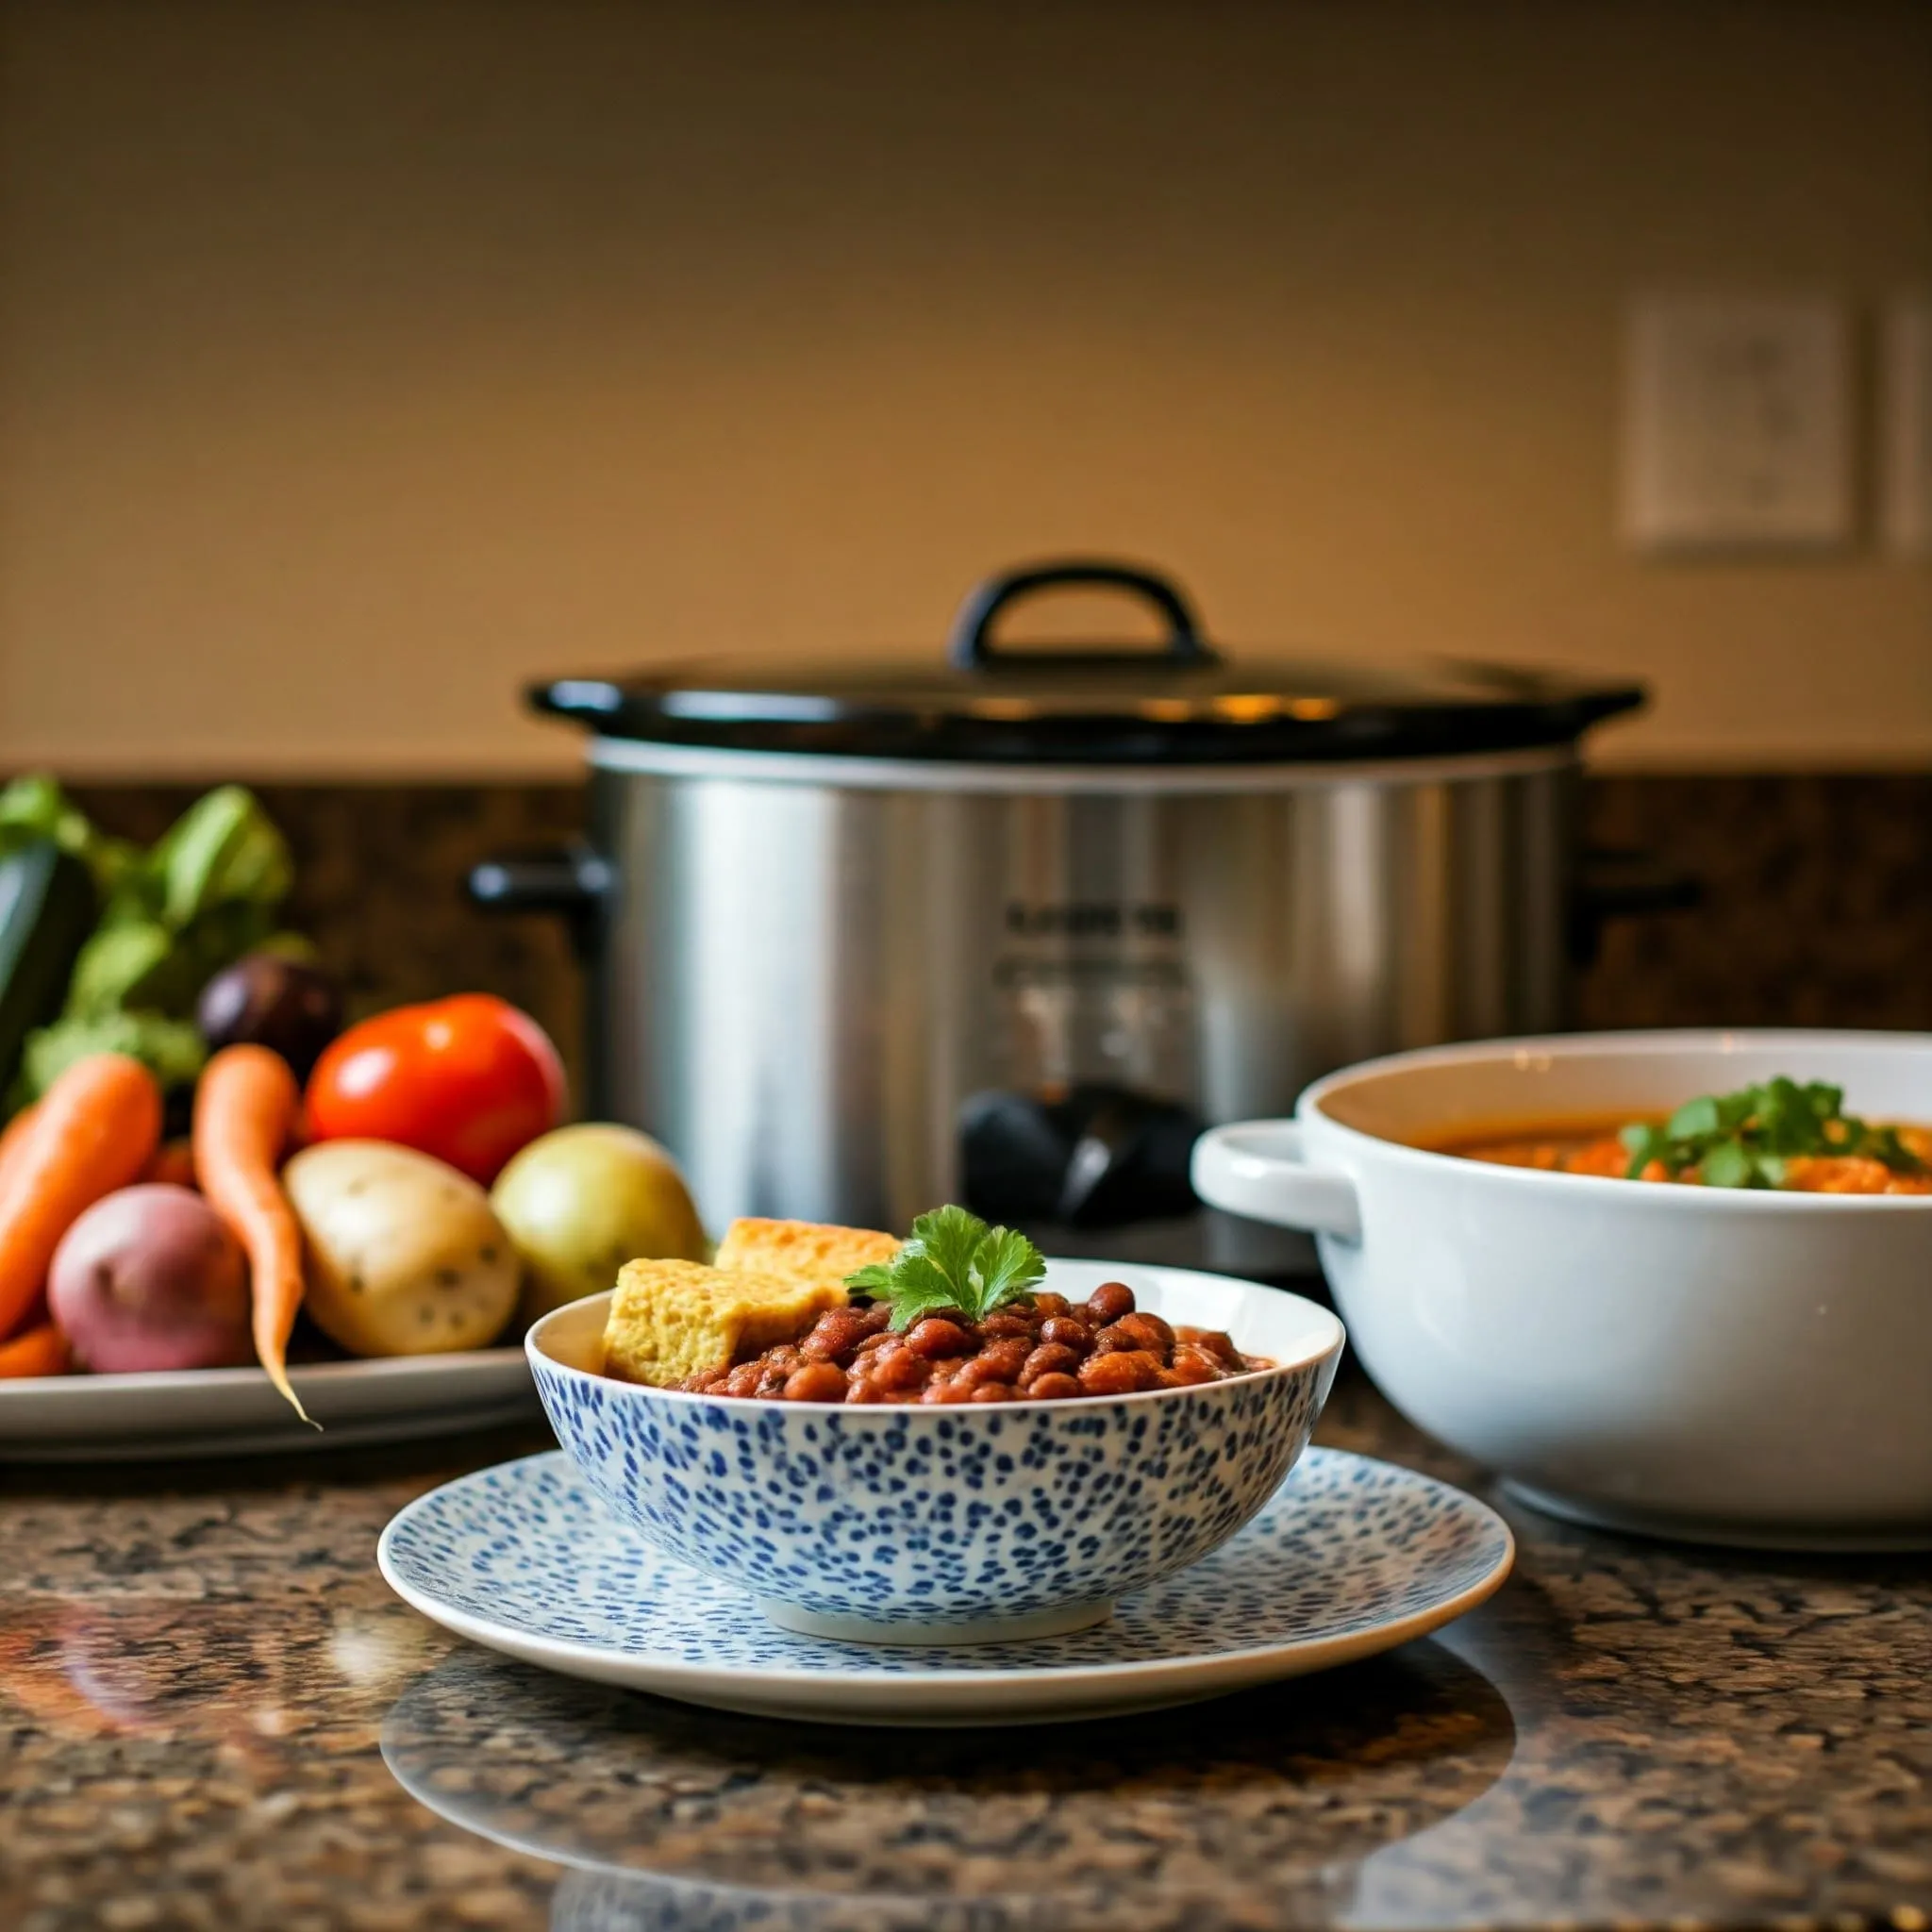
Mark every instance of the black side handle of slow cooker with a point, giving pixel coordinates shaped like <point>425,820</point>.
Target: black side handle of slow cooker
<point>1615,883</point>
<point>572,880</point>
<point>969,645</point>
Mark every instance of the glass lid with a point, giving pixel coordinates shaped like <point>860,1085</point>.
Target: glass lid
<point>1180,701</point>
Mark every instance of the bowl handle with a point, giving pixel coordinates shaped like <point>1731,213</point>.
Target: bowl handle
<point>1256,1168</point>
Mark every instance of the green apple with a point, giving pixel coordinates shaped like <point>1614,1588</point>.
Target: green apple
<point>580,1202</point>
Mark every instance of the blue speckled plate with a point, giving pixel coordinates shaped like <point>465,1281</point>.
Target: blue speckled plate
<point>1350,1557</point>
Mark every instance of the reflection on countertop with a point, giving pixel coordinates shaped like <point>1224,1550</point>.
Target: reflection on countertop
<point>216,1715</point>
<point>1174,1817</point>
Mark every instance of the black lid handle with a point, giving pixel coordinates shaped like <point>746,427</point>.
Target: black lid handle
<point>971,649</point>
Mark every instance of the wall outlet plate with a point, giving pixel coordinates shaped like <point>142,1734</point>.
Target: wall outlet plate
<point>1906,415</point>
<point>1738,423</point>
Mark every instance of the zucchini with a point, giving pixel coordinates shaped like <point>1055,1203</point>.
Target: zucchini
<point>47,910</point>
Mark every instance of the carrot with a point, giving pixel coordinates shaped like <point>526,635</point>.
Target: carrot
<point>13,1137</point>
<point>244,1111</point>
<point>93,1131</point>
<point>174,1164</point>
<point>41,1351</point>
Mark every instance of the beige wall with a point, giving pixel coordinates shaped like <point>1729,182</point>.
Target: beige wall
<point>358,362</point>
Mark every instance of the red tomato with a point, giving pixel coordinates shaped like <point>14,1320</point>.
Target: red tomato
<point>468,1079</point>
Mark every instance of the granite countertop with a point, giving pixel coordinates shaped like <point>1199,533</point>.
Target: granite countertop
<point>218,1715</point>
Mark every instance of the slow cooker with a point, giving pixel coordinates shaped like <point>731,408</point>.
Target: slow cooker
<point>1011,929</point>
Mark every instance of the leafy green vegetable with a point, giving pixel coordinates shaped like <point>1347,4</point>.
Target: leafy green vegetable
<point>171,917</point>
<point>955,1264</point>
<point>1743,1139</point>
<point>35,807</point>
<point>115,966</point>
<point>172,1049</point>
<point>222,850</point>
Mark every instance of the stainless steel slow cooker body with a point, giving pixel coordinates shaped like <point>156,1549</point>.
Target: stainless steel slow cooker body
<point>808,967</point>
<point>851,984</point>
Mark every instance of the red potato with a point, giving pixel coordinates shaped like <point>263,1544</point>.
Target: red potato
<point>150,1277</point>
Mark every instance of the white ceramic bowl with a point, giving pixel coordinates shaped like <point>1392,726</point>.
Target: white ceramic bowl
<point>960,1523</point>
<point>1715,1364</point>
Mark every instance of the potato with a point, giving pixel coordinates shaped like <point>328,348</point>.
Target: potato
<point>581,1201</point>
<point>150,1277</point>
<point>402,1252</point>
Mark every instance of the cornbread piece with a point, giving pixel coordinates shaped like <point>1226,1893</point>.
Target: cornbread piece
<point>669,1320</point>
<point>804,1250</point>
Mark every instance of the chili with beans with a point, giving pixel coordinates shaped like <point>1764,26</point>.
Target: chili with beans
<point>1042,1348</point>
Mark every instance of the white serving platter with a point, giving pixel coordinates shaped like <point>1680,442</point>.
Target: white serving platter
<point>236,1412</point>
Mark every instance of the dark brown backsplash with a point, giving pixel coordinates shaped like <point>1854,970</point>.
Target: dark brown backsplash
<point>1817,894</point>
<point>1817,905</point>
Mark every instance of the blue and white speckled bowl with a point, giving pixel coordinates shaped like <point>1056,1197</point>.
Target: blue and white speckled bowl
<point>907,1524</point>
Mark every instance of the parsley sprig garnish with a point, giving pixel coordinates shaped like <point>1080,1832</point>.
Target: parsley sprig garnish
<point>955,1264</point>
<point>1743,1139</point>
